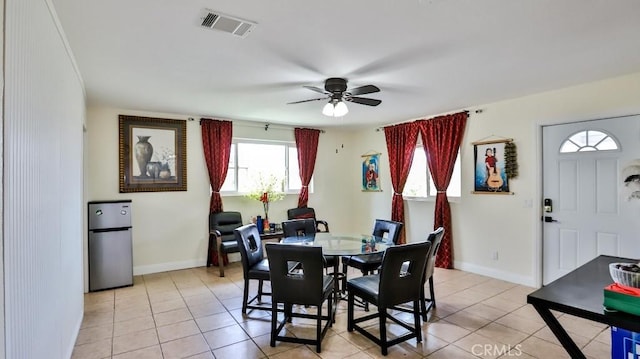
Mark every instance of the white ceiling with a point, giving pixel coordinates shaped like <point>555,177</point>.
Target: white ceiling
<point>427,56</point>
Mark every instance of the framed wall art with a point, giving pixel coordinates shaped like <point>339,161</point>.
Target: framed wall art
<point>489,172</point>
<point>370,173</point>
<point>152,154</point>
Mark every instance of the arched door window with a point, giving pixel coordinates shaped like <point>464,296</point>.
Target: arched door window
<point>589,140</point>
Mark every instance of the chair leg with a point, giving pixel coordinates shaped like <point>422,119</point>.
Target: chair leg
<point>350,304</point>
<point>245,296</point>
<point>220,257</point>
<point>344,275</point>
<point>366,304</point>
<point>416,320</point>
<point>274,323</point>
<point>209,252</point>
<point>319,329</point>
<point>288,312</point>
<point>332,314</point>
<point>423,304</point>
<point>383,330</point>
<point>431,292</point>
<point>260,291</point>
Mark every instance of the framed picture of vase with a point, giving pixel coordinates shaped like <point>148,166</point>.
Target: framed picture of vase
<point>152,154</point>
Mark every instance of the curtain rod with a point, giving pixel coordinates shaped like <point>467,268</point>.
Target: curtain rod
<point>378,129</point>
<point>268,126</point>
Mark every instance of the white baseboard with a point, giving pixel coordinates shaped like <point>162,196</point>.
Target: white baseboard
<point>495,273</point>
<point>169,266</point>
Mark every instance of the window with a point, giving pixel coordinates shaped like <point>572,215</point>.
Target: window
<point>252,160</point>
<point>588,140</point>
<point>419,183</point>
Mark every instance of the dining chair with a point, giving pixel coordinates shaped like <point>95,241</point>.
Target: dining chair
<point>426,304</point>
<point>299,227</point>
<point>302,228</point>
<point>435,238</point>
<point>368,263</point>
<point>308,212</point>
<point>389,288</point>
<point>254,265</point>
<point>221,236</point>
<point>306,285</point>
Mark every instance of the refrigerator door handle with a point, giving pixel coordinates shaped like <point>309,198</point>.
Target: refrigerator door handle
<point>109,229</point>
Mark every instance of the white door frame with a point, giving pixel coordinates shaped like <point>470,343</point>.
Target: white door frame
<point>537,208</point>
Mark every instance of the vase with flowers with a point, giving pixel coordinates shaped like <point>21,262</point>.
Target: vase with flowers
<point>266,189</point>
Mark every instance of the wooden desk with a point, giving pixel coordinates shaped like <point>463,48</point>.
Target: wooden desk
<point>267,236</point>
<point>581,293</point>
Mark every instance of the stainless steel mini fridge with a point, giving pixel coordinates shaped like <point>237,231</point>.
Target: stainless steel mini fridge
<point>110,253</point>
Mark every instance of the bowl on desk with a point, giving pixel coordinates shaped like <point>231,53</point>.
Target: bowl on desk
<point>625,274</point>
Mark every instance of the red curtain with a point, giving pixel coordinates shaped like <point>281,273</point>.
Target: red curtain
<point>441,137</point>
<point>401,143</point>
<point>216,143</point>
<point>307,145</point>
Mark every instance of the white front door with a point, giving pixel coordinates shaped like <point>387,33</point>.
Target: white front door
<point>589,212</point>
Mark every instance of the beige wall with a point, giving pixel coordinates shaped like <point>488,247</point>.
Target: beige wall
<point>510,225</point>
<point>170,229</point>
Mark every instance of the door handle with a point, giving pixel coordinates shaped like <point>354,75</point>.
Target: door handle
<point>549,219</point>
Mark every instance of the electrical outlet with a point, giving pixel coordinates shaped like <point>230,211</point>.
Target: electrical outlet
<point>494,255</point>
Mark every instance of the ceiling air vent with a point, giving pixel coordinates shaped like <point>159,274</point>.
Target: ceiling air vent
<point>217,21</point>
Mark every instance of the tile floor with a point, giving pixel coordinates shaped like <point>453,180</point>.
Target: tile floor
<point>196,314</point>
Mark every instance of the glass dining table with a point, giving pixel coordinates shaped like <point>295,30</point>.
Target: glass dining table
<point>341,245</point>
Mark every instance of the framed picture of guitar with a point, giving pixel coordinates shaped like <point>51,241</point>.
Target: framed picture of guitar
<point>489,161</point>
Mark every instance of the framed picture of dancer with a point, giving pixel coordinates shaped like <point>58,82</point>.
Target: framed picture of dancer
<point>370,173</point>
<point>489,172</point>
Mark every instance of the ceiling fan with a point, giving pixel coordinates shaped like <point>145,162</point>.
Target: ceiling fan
<point>335,90</point>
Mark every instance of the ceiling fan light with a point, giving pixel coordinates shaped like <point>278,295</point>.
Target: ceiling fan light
<point>340,109</point>
<point>328,109</point>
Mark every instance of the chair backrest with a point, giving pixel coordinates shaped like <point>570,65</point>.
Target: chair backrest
<point>397,284</point>
<point>307,213</point>
<point>435,238</point>
<point>392,228</point>
<point>299,227</point>
<point>303,285</point>
<point>301,213</point>
<point>250,246</point>
<point>225,223</point>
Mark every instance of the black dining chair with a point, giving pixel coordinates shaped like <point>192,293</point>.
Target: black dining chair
<point>305,284</point>
<point>389,288</point>
<point>254,265</point>
<point>221,236</point>
<point>305,228</point>
<point>368,263</point>
<point>426,304</point>
<point>305,213</point>
<point>435,238</point>
<point>299,227</point>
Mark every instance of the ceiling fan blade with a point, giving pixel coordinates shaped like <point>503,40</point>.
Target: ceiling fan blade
<point>313,99</point>
<point>316,89</point>
<point>364,101</point>
<point>363,90</point>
